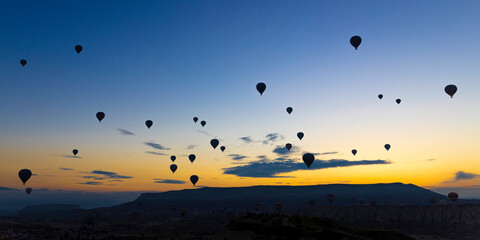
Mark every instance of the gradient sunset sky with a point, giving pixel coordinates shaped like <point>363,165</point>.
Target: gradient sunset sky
<point>170,61</point>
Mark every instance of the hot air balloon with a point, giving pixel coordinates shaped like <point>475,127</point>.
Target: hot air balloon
<point>330,197</point>
<point>100,116</point>
<point>278,206</point>
<point>387,146</point>
<point>173,158</point>
<point>222,148</point>
<point>451,90</point>
<point>261,88</point>
<point>354,151</point>
<point>288,146</point>
<point>203,123</point>
<point>194,179</point>
<point>355,41</point>
<point>308,159</point>
<point>300,135</point>
<point>24,175</point>
<point>380,96</point>
<point>195,119</point>
<point>192,157</point>
<point>289,110</point>
<point>28,191</point>
<point>311,202</point>
<point>183,212</point>
<point>214,142</point>
<point>398,101</point>
<point>174,207</point>
<point>75,151</point>
<point>453,196</point>
<point>23,62</point>
<point>173,167</point>
<point>149,123</point>
<point>78,48</point>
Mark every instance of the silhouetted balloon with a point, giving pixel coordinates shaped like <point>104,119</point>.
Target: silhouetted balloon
<point>387,146</point>
<point>453,196</point>
<point>195,119</point>
<point>23,62</point>
<point>173,158</point>
<point>100,116</point>
<point>75,151</point>
<point>183,212</point>
<point>149,123</point>
<point>308,159</point>
<point>380,96</point>
<point>300,135</point>
<point>355,41</point>
<point>354,151</point>
<point>203,123</point>
<point>214,142</point>
<point>24,175</point>
<point>78,48</point>
<point>28,191</point>
<point>330,197</point>
<point>288,146</point>
<point>173,167</point>
<point>174,207</point>
<point>451,90</point>
<point>194,179</point>
<point>222,148</point>
<point>398,101</point>
<point>311,202</point>
<point>192,157</point>
<point>261,87</point>
<point>289,110</point>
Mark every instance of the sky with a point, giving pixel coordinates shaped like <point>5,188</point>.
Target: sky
<point>170,61</point>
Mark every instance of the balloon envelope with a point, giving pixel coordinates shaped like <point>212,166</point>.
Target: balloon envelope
<point>214,142</point>
<point>195,119</point>
<point>23,62</point>
<point>354,151</point>
<point>24,175</point>
<point>289,110</point>
<point>330,197</point>
<point>288,146</point>
<point>380,96</point>
<point>261,87</point>
<point>100,116</point>
<point>173,167</point>
<point>300,135</point>
<point>387,146</point>
<point>355,41</point>
<point>173,158</point>
<point>451,90</point>
<point>28,191</point>
<point>75,151</point>
<point>78,48</point>
<point>398,101</point>
<point>308,159</point>
<point>222,148</point>
<point>192,157</point>
<point>203,123</point>
<point>453,196</point>
<point>149,123</point>
<point>194,179</point>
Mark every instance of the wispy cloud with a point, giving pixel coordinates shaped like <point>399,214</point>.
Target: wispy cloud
<point>155,153</point>
<point>191,146</point>
<point>237,157</point>
<point>71,156</point>
<point>90,183</point>
<point>168,181</point>
<point>156,146</point>
<point>125,132</point>
<point>461,175</point>
<point>272,137</point>
<point>325,153</point>
<point>271,169</point>
<point>102,175</point>
<point>282,150</point>
<point>8,189</point>
<point>246,139</point>
<point>66,169</point>
<point>204,132</point>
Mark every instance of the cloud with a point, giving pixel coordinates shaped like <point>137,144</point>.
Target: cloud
<point>94,177</point>
<point>168,181</point>
<point>71,156</point>
<point>155,153</point>
<point>125,132</point>
<point>237,157</point>
<point>8,189</point>
<point>246,139</point>
<point>66,169</point>
<point>325,153</point>
<point>461,175</point>
<point>272,137</point>
<point>156,146</point>
<point>101,175</point>
<point>271,169</point>
<point>431,159</point>
<point>90,183</point>
<point>191,146</point>
<point>282,150</point>
<point>204,132</point>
